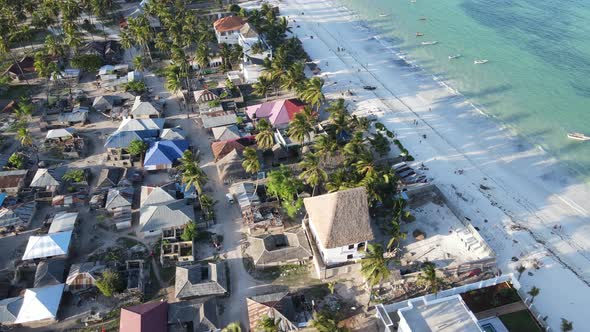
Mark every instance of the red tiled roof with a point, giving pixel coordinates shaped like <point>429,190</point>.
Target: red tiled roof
<point>229,23</point>
<point>147,317</point>
<point>293,106</point>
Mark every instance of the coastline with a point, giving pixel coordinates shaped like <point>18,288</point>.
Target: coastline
<point>530,192</point>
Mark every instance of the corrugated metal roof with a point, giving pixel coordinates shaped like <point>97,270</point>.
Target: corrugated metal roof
<point>55,244</point>
<point>40,304</point>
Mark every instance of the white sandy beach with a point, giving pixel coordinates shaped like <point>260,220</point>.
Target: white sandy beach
<point>528,195</point>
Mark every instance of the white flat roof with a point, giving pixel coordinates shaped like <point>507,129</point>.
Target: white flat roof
<point>448,314</point>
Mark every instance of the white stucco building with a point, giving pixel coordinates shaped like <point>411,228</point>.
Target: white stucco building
<point>248,37</point>
<point>339,225</point>
<point>227,29</point>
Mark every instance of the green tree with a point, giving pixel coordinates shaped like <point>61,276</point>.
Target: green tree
<point>323,321</point>
<point>193,175</point>
<point>300,128</point>
<point>189,232</point>
<point>380,144</point>
<point>232,327</point>
<point>251,163</point>
<point>312,92</point>
<point>74,175</point>
<point>139,63</point>
<point>138,87</point>
<point>265,135</point>
<point>374,266</point>
<point>17,160</point>
<point>429,279</point>
<point>325,146</point>
<point>262,87</point>
<point>313,173</point>
<point>207,204</point>
<point>87,62</point>
<point>24,109</point>
<point>566,325</point>
<point>395,234</point>
<point>24,136</point>
<point>109,283</point>
<point>268,324</point>
<point>294,77</point>
<point>283,185</point>
<point>534,292</point>
<point>137,147</point>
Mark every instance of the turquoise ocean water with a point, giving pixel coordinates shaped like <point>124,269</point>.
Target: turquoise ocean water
<point>537,81</point>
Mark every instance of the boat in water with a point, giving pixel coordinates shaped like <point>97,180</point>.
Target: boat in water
<point>430,42</point>
<point>383,15</point>
<point>419,34</point>
<point>578,136</point>
<point>456,56</point>
<point>480,62</point>
<point>422,18</point>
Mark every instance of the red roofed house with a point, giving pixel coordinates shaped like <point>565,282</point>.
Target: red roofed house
<point>278,112</point>
<point>222,149</point>
<point>227,29</point>
<point>147,317</point>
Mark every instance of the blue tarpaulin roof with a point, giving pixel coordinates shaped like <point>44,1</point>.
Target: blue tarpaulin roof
<point>165,152</point>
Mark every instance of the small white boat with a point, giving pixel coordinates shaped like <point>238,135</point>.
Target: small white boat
<point>419,34</point>
<point>480,62</point>
<point>383,15</point>
<point>456,56</point>
<point>578,136</point>
<point>429,42</point>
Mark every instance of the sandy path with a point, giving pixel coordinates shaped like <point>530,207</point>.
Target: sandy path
<point>529,194</point>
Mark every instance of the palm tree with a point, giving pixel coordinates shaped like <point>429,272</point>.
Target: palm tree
<point>202,56</point>
<point>314,174</point>
<point>365,166</point>
<point>265,136</point>
<point>324,322</point>
<point>268,324</point>
<point>262,86</point>
<point>533,293</point>
<point>300,128</point>
<point>232,327</point>
<point>161,43</point>
<point>193,175</point>
<point>339,180</point>
<point>566,325</point>
<point>53,46</point>
<point>310,115</point>
<point>395,233</point>
<point>429,278</point>
<point>312,92</point>
<point>337,106</point>
<point>187,160</point>
<point>139,63</point>
<point>125,40</point>
<point>325,146</point>
<point>251,163</point>
<point>374,266</point>
<point>24,136</point>
<point>294,77</point>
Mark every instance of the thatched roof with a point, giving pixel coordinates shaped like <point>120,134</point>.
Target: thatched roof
<point>340,218</point>
<point>230,167</point>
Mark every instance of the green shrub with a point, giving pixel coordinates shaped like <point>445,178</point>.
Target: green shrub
<point>74,175</point>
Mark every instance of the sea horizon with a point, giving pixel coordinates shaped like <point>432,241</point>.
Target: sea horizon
<point>536,98</point>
